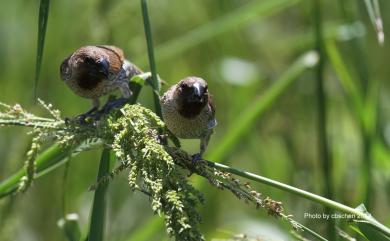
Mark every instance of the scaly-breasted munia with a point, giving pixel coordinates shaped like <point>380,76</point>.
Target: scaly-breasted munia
<point>94,71</point>
<point>188,111</point>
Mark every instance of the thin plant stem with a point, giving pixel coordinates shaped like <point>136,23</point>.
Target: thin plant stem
<point>323,148</point>
<point>149,40</point>
<point>376,19</point>
<point>97,224</point>
<point>314,234</point>
<point>42,24</point>
<point>367,166</point>
<point>356,213</point>
<point>45,162</point>
<point>156,85</point>
<point>65,183</point>
<point>57,155</point>
<point>368,129</point>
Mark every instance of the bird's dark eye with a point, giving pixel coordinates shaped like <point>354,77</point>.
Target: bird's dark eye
<point>64,69</point>
<point>184,87</point>
<point>88,60</point>
<point>188,88</point>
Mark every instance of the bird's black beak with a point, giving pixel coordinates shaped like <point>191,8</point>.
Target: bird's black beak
<point>198,93</point>
<point>104,67</point>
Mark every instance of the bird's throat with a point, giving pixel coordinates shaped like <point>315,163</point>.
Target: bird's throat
<point>88,81</point>
<point>191,109</point>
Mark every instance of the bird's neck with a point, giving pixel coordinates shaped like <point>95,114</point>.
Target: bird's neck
<point>190,109</point>
<point>87,80</point>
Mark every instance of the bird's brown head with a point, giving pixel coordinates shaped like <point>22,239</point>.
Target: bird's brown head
<point>85,66</point>
<point>191,96</point>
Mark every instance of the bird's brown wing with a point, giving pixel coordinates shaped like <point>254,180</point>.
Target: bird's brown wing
<point>115,55</point>
<point>115,50</point>
<point>212,120</point>
<point>212,105</point>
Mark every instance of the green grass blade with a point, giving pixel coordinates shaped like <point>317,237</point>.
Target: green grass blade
<point>365,110</point>
<point>42,24</point>
<point>376,19</point>
<point>254,10</point>
<point>247,119</point>
<point>46,162</point>
<point>149,40</point>
<point>368,132</point>
<point>97,225</point>
<point>50,158</point>
<point>369,232</point>
<point>371,108</point>
<point>346,80</point>
<point>323,146</point>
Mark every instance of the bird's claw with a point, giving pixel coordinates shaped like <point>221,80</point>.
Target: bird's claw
<point>90,117</point>
<point>85,119</point>
<point>114,104</point>
<point>82,119</point>
<point>67,121</point>
<point>196,158</point>
<point>110,105</point>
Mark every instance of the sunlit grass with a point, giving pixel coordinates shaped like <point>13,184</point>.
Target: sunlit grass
<point>230,29</point>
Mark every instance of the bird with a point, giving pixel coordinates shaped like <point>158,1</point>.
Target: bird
<point>94,71</point>
<point>189,112</point>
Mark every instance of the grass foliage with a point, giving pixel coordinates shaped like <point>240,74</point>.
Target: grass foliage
<point>272,132</point>
<point>154,169</point>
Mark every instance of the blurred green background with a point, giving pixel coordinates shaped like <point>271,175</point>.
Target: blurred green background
<point>241,48</point>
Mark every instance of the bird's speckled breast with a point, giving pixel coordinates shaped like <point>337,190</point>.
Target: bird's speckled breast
<point>180,126</point>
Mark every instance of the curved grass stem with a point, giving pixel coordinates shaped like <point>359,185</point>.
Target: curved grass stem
<point>358,214</point>
<point>152,63</point>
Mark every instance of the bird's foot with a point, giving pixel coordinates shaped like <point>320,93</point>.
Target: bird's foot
<point>196,158</point>
<point>85,119</point>
<point>195,161</point>
<point>110,105</point>
<point>113,104</point>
